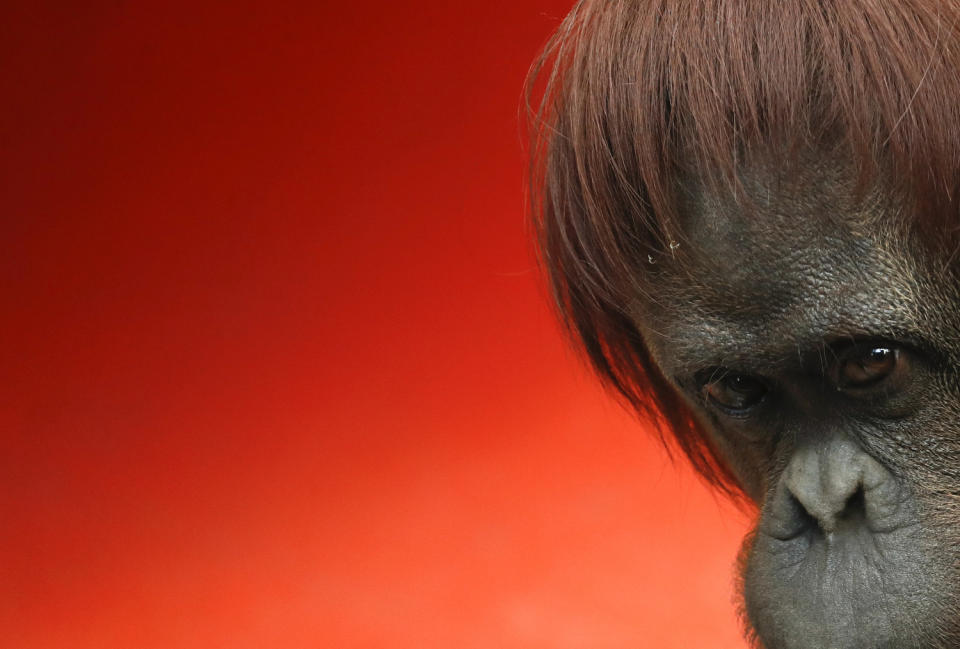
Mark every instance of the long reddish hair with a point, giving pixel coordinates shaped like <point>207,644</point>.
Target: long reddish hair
<point>629,93</point>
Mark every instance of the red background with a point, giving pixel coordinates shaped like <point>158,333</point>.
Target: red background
<point>276,367</point>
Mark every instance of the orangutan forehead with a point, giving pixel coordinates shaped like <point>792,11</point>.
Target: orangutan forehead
<point>792,204</point>
<point>779,267</point>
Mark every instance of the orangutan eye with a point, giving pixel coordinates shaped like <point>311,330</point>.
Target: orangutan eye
<point>867,366</point>
<point>732,392</point>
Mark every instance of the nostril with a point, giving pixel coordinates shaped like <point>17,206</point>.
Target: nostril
<point>806,522</point>
<point>855,509</point>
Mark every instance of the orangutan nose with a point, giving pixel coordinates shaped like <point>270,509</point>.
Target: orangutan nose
<point>835,481</point>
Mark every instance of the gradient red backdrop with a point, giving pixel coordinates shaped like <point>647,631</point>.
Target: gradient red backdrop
<point>277,368</point>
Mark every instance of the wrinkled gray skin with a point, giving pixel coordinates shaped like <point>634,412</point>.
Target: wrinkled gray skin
<point>858,540</point>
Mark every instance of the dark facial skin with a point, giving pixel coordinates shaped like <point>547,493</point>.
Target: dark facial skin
<point>818,341</point>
